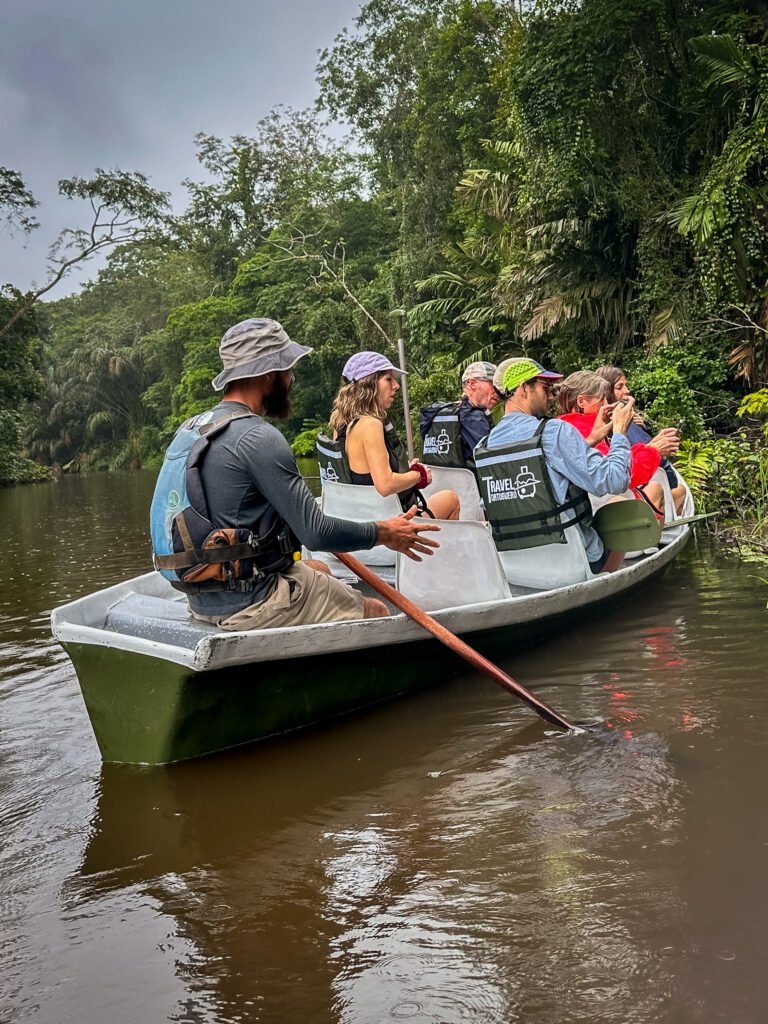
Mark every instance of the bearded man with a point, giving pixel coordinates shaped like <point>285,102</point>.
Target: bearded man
<point>229,521</point>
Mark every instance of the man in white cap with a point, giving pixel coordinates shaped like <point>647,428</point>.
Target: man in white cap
<point>231,509</point>
<point>535,473</point>
<point>451,430</point>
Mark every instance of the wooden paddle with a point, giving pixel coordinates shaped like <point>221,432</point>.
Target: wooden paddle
<point>450,640</point>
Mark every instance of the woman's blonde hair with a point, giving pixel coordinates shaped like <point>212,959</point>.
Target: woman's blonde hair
<point>359,398</point>
<point>612,375</point>
<point>583,382</point>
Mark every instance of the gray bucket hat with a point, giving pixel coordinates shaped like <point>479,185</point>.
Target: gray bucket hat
<point>255,347</point>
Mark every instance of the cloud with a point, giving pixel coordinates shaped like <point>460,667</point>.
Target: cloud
<point>60,76</point>
<point>95,83</point>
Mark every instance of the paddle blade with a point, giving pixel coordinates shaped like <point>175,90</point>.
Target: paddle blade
<point>690,519</point>
<point>627,525</point>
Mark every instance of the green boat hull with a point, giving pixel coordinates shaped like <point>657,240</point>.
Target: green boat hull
<point>145,710</point>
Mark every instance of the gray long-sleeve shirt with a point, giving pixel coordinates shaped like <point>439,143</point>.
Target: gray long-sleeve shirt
<point>248,468</point>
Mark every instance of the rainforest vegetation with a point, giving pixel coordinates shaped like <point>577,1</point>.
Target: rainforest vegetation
<point>581,181</point>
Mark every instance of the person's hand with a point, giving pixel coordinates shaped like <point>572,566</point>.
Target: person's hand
<point>602,426</point>
<point>623,414</point>
<point>425,473</point>
<point>666,442</point>
<point>403,533</point>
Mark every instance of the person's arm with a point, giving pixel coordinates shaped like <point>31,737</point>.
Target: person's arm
<point>593,428</point>
<point>403,534</point>
<point>666,442</point>
<point>567,452</point>
<point>276,475</point>
<point>369,438</point>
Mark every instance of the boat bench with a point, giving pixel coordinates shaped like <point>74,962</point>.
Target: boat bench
<point>157,618</point>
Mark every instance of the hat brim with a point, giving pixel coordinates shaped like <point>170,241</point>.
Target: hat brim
<point>285,359</point>
<point>549,375</point>
<point>379,369</point>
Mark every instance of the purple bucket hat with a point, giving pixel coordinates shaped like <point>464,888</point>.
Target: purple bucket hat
<point>255,347</point>
<point>363,364</point>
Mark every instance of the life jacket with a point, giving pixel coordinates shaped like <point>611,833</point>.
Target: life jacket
<point>188,549</point>
<point>519,498</point>
<point>332,460</point>
<point>441,432</point>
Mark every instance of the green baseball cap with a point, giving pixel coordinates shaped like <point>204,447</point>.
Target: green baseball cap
<point>511,373</point>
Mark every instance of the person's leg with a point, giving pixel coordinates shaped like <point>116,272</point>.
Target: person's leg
<point>445,505</point>
<point>678,496</point>
<point>609,561</point>
<point>653,493</point>
<point>614,561</point>
<point>302,596</point>
<point>374,609</point>
<point>317,565</point>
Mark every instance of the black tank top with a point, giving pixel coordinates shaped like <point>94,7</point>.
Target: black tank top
<point>413,495</point>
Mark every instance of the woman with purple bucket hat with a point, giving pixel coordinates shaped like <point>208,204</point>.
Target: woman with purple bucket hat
<point>374,453</point>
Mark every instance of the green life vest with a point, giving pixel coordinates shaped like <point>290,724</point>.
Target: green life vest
<point>441,432</point>
<point>332,461</point>
<point>519,498</point>
<point>398,460</point>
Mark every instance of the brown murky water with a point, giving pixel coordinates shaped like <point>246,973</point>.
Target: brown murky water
<point>439,860</point>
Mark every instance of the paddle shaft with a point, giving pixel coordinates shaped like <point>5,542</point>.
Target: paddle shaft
<point>451,640</point>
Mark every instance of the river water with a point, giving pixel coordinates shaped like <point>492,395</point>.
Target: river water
<point>440,859</point>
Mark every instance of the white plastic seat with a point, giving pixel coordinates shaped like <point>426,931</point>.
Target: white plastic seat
<point>669,506</point>
<point>465,569</point>
<point>464,483</point>
<point>361,504</point>
<point>549,565</point>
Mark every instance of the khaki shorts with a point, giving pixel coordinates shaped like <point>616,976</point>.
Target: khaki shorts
<point>302,597</point>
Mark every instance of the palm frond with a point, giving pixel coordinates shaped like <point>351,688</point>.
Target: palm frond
<point>730,67</point>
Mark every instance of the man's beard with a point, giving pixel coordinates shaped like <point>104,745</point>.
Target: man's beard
<point>278,402</point>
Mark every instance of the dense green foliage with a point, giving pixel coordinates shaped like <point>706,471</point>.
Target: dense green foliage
<point>583,181</point>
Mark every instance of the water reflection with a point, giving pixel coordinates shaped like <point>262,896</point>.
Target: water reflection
<point>373,889</point>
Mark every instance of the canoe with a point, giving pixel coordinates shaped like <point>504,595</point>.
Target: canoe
<point>160,687</point>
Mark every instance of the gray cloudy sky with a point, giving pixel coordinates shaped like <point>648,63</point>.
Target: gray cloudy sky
<point>128,83</point>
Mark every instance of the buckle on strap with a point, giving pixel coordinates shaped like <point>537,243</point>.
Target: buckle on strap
<point>238,586</point>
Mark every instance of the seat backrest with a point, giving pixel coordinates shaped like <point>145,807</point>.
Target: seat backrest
<point>361,504</point>
<point>669,507</point>
<point>465,569</point>
<point>464,483</point>
<point>550,565</point>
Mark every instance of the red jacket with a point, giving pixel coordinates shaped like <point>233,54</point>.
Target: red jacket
<point>645,459</point>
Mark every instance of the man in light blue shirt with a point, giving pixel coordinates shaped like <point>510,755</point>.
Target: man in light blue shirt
<point>527,388</point>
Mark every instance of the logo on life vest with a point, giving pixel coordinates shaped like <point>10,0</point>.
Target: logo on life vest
<point>523,486</point>
<point>439,445</point>
<point>328,475</point>
<point>174,500</point>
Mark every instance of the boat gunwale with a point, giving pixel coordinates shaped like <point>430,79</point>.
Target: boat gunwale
<point>221,649</point>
